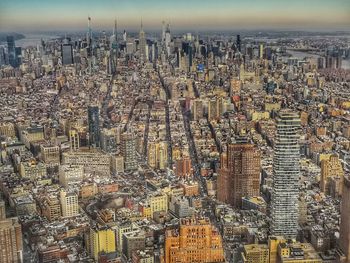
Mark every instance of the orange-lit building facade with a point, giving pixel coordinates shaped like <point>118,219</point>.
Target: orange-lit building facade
<point>195,241</point>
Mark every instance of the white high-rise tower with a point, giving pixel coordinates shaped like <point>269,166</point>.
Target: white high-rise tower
<point>286,170</point>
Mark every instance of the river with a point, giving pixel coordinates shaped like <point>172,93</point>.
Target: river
<point>33,39</point>
<point>301,55</point>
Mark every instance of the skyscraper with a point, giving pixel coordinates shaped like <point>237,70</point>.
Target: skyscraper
<point>90,48</point>
<point>167,39</point>
<point>94,126</point>
<point>114,37</point>
<point>261,51</point>
<point>163,32</point>
<point>345,220</point>
<point>11,49</point>
<point>2,56</point>
<point>89,37</point>
<point>112,57</point>
<point>142,44</point>
<point>128,150</point>
<point>11,245</point>
<point>124,36</point>
<point>240,176</point>
<point>238,43</point>
<point>18,56</point>
<point>67,54</point>
<point>69,203</point>
<point>286,170</point>
<point>109,140</point>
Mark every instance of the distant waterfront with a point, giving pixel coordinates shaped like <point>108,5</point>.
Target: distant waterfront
<point>301,55</point>
<point>33,39</point>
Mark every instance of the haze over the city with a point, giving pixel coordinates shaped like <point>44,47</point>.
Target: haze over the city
<point>40,15</point>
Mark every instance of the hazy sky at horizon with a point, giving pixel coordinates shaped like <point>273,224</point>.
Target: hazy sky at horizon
<point>45,15</point>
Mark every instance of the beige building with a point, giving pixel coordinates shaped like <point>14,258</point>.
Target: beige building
<point>69,174</point>
<point>94,162</point>
<point>280,250</point>
<point>51,208</point>
<point>31,134</point>
<point>69,203</point>
<point>7,129</point>
<point>197,109</point>
<point>50,154</point>
<point>32,169</point>
<point>118,164</point>
<point>330,168</point>
<point>254,253</point>
<point>74,140</point>
<point>157,155</point>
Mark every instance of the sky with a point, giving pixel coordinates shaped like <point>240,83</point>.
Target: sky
<point>69,15</point>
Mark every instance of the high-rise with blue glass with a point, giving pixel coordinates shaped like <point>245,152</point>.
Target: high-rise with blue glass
<point>11,49</point>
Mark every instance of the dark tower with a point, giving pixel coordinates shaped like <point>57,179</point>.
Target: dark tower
<point>67,53</point>
<point>11,51</point>
<point>238,43</point>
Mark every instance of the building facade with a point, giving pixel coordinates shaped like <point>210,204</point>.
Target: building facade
<point>128,150</point>
<point>195,241</point>
<point>240,176</point>
<point>11,245</point>
<point>286,170</point>
<point>69,204</point>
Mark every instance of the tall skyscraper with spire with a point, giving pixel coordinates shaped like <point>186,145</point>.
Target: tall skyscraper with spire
<point>114,38</point>
<point>142,43</point>
<point>89,37</point>
<point>167,38</point>
<point>90,47</point>
<point>163,32</point>
<point>114,49</point>
<point>286,170</point>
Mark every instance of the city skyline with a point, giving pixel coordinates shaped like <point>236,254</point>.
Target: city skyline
<point>22,16</point>
<point>175,131</point>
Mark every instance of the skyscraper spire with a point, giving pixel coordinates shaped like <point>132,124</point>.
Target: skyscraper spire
<point>89,44</point>
<point>142,43</point>
<point>115,32</point>
<point>89,33</point>
<point>163,31</point>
